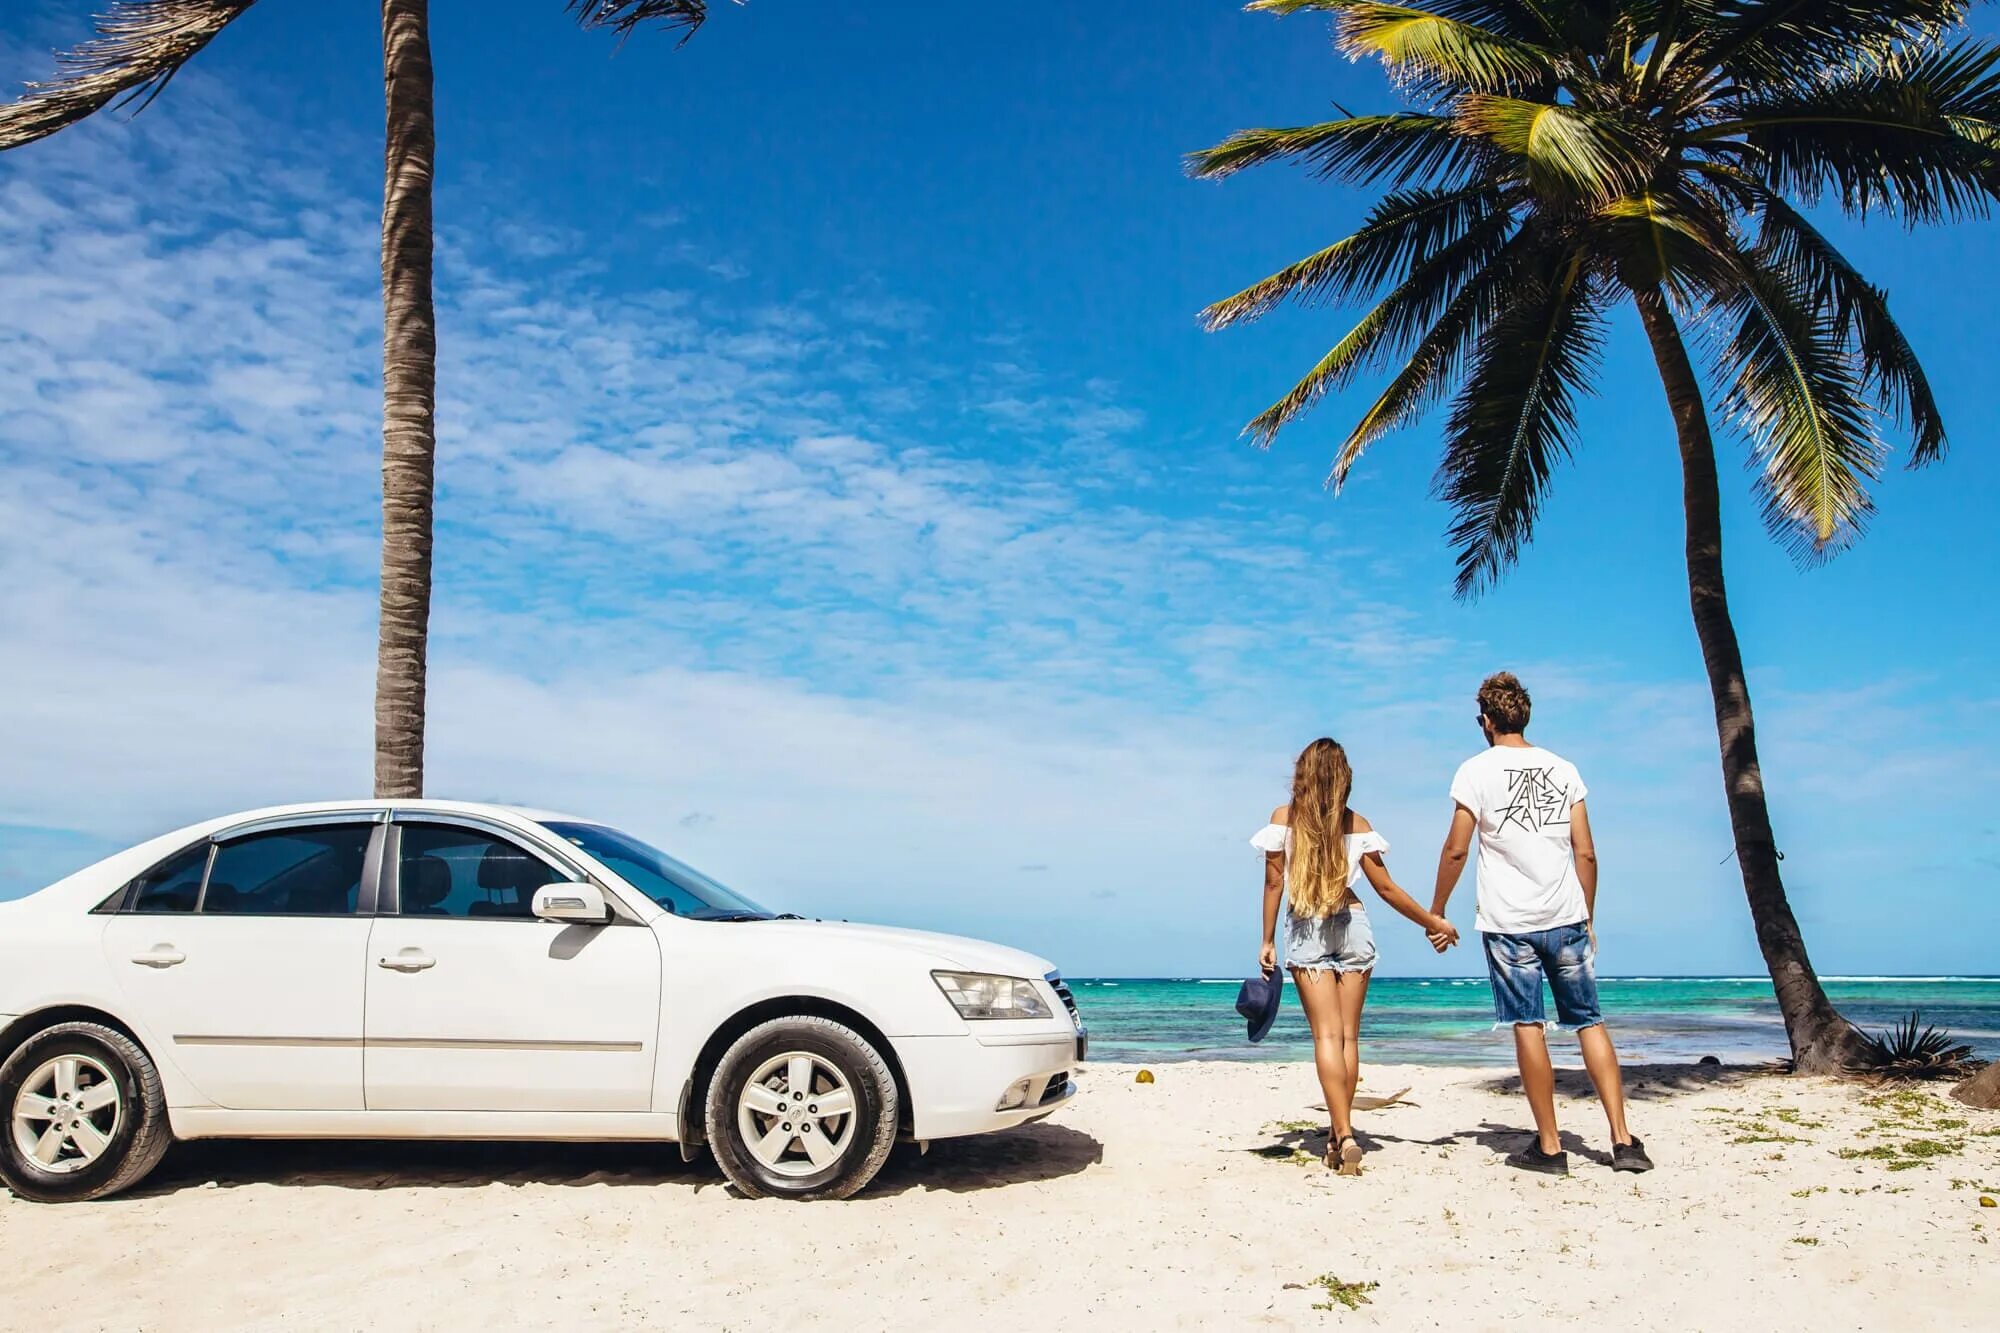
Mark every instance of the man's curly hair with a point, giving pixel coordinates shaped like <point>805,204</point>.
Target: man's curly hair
<point>1504,701</point>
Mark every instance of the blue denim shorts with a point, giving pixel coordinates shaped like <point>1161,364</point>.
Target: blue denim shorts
<point>1516,964</point>
<point>1343,942</point>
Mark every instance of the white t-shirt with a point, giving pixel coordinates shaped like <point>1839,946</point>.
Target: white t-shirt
<point>1521,796</point>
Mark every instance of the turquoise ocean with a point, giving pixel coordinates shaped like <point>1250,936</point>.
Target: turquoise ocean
<point>1448,1020</point>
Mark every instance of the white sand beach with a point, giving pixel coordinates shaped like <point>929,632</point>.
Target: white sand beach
<point>1176,1204</point>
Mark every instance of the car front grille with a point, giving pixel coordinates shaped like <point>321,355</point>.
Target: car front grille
<point>1069,1001</point>
<point>1057,1085</point>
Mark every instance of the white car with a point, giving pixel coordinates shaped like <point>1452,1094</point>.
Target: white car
<point>437,969</point>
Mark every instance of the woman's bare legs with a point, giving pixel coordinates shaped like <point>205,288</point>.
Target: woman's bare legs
<point>1319,994</point>
<point>1353,987</point>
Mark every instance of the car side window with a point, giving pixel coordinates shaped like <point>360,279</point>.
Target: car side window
<point>289,872</point>
<point>171,886</point>
<point>450,871</point>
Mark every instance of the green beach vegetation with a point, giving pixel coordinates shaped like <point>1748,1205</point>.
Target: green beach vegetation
<point>140,45</point>
<point>1912,1050</point>
<point>1559,159</point>
<point>1339,1295</point>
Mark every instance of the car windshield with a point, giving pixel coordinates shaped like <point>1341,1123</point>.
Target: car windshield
<point>681,889</point>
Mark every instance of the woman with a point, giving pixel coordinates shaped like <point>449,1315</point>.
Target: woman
<point>1316,849</point>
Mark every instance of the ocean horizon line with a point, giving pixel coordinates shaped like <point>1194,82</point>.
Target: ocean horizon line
<point>1449,1020</point>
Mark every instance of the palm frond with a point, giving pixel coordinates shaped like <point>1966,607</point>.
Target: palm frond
<point>1430,48</point>
<point>627,16</point>
<point>1519,20</point>
<point>1795,390</point>
<point>1403,147</point>
<point>140,45</point>
<point>1792,244</point>
<point>1779,38</point>
<point>1663,31</point>
<point>1717,165</point>
<point>1402,231</point>
<point>1515,418</point>
<point>1434,359</point>
<point>1670,237</point>
<point>1391,324</point>
<point>1917,132</point>
<point>1565,151</point>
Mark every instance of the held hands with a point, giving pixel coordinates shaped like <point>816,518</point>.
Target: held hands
<point>1441,933</point>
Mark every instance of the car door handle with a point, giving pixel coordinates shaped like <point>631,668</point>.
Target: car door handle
<point>160,955</point>
<point>409,960</point>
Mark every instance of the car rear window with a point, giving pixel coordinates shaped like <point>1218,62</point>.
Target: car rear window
<point>289,872</point>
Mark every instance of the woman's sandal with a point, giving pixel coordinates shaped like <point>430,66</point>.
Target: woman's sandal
<point>1344,1156</point>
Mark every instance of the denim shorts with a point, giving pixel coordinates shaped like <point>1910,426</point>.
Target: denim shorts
<point>1516,964</point>
<point>1342,942</point>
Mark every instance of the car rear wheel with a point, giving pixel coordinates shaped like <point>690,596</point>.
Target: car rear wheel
<point>86,1115</point>
<point>802,1108</point>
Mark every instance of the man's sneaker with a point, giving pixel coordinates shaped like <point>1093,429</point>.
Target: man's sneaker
<point>1630,1156</point>
<point>1532,1158</point>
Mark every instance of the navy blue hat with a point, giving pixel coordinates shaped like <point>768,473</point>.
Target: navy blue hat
<point>1258,1002</point>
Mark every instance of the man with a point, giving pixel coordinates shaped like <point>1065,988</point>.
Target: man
<point>1537,900</point>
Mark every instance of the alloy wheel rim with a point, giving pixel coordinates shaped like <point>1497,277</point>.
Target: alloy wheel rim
<point>796,1114</point>
<point>67,1113</point>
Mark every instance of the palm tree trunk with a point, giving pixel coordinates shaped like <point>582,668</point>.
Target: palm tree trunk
<point>409,399</point>
<point>1822,1041</point>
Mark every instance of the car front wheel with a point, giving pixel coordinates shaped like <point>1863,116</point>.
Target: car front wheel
<point>802,1108</point>
<point>86,1115</point>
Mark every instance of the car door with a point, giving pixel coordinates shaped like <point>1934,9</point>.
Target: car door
<point>248,956</point>
<point>474,1004</point>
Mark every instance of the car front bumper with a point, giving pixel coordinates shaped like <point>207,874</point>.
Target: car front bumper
<point>958,1084</point>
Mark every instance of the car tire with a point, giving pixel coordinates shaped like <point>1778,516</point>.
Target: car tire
<point>821,1136</point>
<point>107,1143</point>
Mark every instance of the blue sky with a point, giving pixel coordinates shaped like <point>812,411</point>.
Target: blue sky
<point>837,489</point>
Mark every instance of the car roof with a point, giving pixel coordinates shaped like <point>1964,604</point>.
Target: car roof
<point>87,885</point>
<point>435,806</point>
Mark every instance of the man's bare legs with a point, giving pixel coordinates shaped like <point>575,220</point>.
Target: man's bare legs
<point>1538,1081</point>
<point>1601,1059</point>
<point>1319,993</point>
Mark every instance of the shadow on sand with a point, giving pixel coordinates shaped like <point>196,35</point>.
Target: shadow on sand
<point>1643,1083</point>
<point>988,1161</point>
<point>1503,1140</point>
<point>1495,1138</point>
<point>1046,1151</point>
<point>1647,1083</point>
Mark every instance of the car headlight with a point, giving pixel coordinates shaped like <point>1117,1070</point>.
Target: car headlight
<point>979,995</point>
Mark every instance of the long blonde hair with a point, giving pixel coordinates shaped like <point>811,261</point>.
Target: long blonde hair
<point>1316,868</point>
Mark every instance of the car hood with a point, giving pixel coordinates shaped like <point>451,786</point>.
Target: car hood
<point>950,951</point>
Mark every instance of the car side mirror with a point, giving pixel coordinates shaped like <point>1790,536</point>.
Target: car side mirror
<point>572,902</point>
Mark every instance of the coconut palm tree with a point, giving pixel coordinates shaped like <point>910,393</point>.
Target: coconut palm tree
<point>139,46</point>
<point>1557,158</point>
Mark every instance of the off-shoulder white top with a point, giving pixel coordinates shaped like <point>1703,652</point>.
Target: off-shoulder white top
<point>1278,838</point>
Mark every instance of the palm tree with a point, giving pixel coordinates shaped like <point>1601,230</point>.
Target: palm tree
<point>140,45</point>
<point>1558,157</point>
